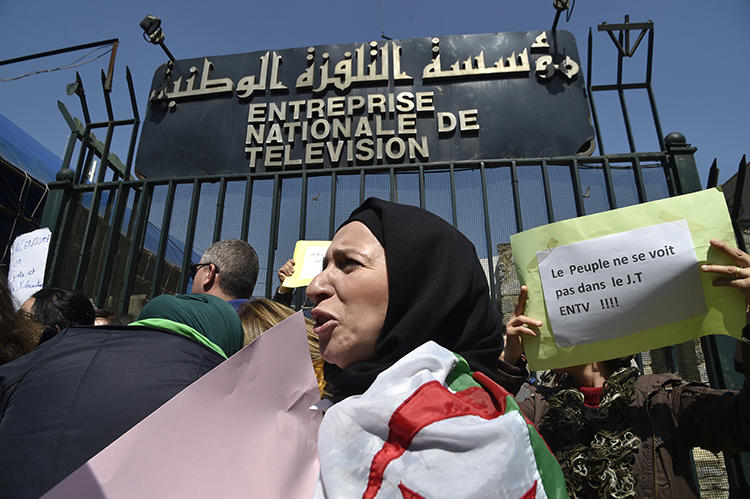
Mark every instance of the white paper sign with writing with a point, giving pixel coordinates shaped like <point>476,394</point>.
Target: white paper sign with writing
<point>313,262</point>
<point>612,286</point>
<point>28,258</point>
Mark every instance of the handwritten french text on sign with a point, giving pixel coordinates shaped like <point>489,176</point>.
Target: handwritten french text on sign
<point>621,284</point>
<point>313,261</point>
<point>28,258</point>
<point>308,258</point>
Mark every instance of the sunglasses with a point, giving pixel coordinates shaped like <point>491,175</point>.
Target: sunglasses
<point>193,268</point>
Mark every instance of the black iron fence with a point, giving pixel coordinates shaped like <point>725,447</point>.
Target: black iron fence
<point>105,230</point>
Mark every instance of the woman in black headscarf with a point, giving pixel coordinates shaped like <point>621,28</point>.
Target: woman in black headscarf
<point>437,291</point>
<point>405,321</point>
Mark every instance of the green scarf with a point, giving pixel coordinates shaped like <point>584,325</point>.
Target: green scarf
<point>206,319</point>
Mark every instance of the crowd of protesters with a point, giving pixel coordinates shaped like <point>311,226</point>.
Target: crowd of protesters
<point>407,346</point>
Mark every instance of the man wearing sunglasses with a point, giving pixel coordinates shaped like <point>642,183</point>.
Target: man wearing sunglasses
<point>228,269</point>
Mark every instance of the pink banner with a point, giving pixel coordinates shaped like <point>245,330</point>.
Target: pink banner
<point>243,430</point>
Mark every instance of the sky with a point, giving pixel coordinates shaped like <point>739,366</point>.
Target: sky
<point>700,73</point>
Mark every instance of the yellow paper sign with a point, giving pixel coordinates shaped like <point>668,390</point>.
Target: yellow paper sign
<point>626,280</point>
<point>308,262</point>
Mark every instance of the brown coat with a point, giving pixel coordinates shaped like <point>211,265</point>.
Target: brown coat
<point>671,416</point>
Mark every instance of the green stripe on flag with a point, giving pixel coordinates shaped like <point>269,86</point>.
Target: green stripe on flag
<point>549,469</point>
<point>460,378</point>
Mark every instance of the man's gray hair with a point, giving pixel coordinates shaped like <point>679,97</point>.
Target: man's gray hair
<point>237,262</point>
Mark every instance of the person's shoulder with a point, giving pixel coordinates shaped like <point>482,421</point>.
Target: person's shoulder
<point>238,303</point>
<point>647,383</point>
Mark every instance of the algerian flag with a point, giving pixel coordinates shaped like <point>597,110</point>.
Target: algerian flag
<point>428,427</point>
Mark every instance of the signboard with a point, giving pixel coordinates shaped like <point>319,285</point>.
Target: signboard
<point>626,280</point>
<point>28,259</point>
<point>450,98</point>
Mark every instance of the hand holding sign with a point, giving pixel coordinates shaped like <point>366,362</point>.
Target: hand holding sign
<point>307,263</point>
<point>285,271</point>
<point>628,280</point>
<point>738,276</point>
<point>516,327</point>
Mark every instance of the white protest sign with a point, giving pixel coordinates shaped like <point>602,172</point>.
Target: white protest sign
<point>612,286</point>
<point>28,258</point>
<point>313,261</point>
<point>308,262</point>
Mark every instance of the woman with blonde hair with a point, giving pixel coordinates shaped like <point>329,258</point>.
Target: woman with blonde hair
<point>258,316</point>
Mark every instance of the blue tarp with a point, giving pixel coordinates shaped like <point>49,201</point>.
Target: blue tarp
<point>23,152</point>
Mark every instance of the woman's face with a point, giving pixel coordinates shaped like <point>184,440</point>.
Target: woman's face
<point>351,296</point>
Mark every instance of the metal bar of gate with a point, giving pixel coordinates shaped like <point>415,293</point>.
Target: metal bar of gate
<point>488,233</point>
<point>332,212</point>
<point>105,153</point>
<point>107,98</point>
<point>361,185</point>
<point>136,124</point>
<point>82,154</point>
<point>575,177</point>
<point>516,197</point>
<point>136,246</point>
<point>137,194</point>
<point>303,208</point>
<point>547,193</point>
<point>245,230</point>
<point>61,237</point>
<point>110,246</point>
<point>299,295</point>
<point>422,196</point>
<point>392,186</point>
<point>621,94</point>
<point>163,238</point>
<point>58,51</point>
<point>611,198</point>
<point>88,236</point>
<point>69,150</point>
<point>615,86</point>
<point>650,90</point>
<point>273,240</point>
<point>190,236</point>
<point>108,207</point>
<point>713,176</point>
<point>670,173</point>
<point>639,186</point>
<point>219,219</point>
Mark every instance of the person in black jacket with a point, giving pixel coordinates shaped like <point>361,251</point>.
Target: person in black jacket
<point>77,392</point>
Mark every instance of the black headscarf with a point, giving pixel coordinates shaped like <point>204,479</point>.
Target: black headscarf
<point>437,291</point>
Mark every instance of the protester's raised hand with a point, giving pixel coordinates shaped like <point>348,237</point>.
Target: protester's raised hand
<point>285,271</point>
<point>516,327</point>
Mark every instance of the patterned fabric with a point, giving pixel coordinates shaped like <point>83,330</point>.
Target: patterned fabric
<point>429,427</point>
<point>595,446</point>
